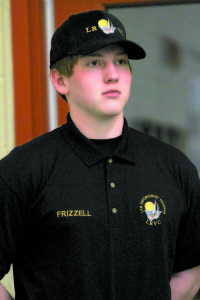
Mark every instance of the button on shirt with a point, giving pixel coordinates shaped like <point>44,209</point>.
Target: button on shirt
<point>83,223</point>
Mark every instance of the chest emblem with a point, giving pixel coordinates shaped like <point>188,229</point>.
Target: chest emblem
<point>153,206</point>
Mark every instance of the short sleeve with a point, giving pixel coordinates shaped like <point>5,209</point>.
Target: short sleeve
<point>11,226</point>
<point>187,253</point>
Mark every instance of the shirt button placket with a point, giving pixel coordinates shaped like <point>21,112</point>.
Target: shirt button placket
<point>113,193</point>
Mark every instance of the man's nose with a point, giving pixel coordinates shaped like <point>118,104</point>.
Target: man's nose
<point>110,73</point>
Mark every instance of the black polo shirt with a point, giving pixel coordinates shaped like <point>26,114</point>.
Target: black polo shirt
<point>78,223</point>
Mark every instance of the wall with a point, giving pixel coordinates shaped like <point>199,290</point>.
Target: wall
<point>160,89</point>
<point>6,97</point>
<point>165,88</point>
<point>6,81</point>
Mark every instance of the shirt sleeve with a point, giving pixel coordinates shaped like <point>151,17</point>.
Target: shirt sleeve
<point>11,225</point>
<point>14,197</point>
<point>187,253</point>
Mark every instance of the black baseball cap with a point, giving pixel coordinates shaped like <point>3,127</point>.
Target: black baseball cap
<point>90,31</point>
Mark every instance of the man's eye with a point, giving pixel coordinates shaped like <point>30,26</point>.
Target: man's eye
<point>121,62</point>
<point>95,63</point>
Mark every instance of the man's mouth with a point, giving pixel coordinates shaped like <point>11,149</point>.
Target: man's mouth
<point>112,93</point>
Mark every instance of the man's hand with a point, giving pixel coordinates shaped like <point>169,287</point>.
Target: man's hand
<point>185,285</point>
<point>4,295</point>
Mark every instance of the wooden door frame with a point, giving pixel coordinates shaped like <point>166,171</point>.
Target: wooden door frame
<point>29,69</point>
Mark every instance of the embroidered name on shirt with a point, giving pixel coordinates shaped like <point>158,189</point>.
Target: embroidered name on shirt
<point>73,213</point>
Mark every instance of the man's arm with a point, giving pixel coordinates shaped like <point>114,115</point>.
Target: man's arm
<point>4,295</point>
<point>185,285</point>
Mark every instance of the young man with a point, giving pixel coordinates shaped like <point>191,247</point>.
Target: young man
<point>95,209</point>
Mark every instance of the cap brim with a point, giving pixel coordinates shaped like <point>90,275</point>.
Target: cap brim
<point>133,50</point>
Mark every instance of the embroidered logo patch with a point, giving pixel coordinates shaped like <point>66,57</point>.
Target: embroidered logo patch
<point>153,206</point>
<point>106,26</point>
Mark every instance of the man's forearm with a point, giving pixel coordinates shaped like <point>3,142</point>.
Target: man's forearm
<point>4,295</point>
<point>185,285</point>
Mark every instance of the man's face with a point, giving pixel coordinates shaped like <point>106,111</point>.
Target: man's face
<point>100,84</point>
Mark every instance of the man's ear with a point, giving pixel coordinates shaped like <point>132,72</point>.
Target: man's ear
<point>59,82</point>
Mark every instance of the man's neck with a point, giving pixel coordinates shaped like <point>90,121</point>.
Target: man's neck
<point>99,128</point>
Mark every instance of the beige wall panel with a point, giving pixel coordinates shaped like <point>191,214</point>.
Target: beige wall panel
<point>6,98</point>
<point>6,81</point>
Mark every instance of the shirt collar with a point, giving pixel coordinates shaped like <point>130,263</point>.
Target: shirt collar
<point>89,153</point>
